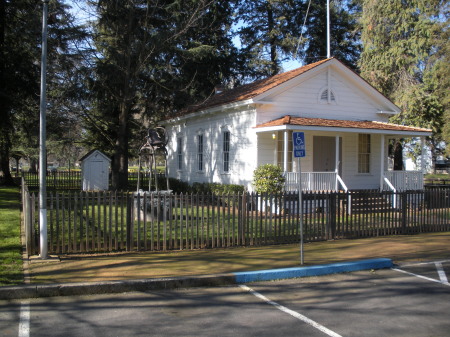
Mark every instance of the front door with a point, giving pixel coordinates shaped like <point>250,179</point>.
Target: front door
<point>324,156</point>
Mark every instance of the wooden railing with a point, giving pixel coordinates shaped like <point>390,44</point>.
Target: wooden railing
<point>311,181</point>
<point>403,180</point>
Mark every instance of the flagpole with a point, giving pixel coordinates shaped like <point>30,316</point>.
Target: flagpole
<point>42,137</point>
<point>328,29</point>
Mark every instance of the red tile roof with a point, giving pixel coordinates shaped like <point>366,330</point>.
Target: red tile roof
<point>253,89</point>
<point>335,123</point>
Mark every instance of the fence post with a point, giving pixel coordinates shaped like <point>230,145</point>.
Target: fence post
<point>27,221</point>
<point>129,223</point>
<point>404,207</point>
<point>331,223</point>
<point>243,219</point>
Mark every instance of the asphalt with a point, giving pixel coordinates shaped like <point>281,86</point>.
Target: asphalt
<point>90,288</point>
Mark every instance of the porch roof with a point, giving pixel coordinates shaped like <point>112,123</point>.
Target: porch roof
<point>320,124</point>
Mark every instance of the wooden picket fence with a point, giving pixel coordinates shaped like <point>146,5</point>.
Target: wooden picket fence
<point>123,221</point>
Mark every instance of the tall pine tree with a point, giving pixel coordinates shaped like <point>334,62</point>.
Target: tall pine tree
<point>152,58</point>
<point>21,27</point>
<point>274,31</point>
<point>268,32</point>
<point>19,71</point>
<point>344,33</point>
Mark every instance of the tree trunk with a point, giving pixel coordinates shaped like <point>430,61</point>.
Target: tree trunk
<point>119,178</point>
<point>33,165</point>
<point>273,47</point>
<point>5,173</point>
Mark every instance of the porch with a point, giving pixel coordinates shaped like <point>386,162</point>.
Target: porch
<point>395,181</point>
<point>340,155</point>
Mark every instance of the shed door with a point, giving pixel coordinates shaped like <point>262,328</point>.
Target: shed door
<point>324,156</point>
<point>97,175</point>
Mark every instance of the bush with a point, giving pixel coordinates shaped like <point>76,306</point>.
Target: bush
<point>216,188</point>
<point>176,185</point>
<point>268,179</point>
<point>179,186</point>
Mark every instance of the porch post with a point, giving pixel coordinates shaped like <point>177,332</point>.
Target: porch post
<point>422,155</point>
<point>336,163</point>
<point>285,151</point>
<point>382,140</point>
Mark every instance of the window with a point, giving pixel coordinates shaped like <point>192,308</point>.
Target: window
<point>180,153</point>
<point>280,150</point>
<point>200,153</point>
<point>363,153</point>
<point>226,151</point>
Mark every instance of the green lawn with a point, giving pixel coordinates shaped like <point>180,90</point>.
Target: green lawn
<point>10,246</point>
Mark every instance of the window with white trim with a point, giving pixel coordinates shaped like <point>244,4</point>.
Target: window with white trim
<point>180,153</point>
<point>226,151</point>
<point>200,152</point>
<point>363,153</point>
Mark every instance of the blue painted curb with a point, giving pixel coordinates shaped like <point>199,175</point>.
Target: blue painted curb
<point>334,268</point>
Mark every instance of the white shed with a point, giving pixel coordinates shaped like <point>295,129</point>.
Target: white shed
<point>95,171</point>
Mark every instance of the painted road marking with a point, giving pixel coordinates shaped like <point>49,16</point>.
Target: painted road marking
<point>420,276</point>
<point>291,312</point>
<point>441,272</point>
<point>24,322</point>
<point>422,263</point>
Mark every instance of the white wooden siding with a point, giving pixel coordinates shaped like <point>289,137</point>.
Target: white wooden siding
<point>303,100</point>
<point>242,142</point>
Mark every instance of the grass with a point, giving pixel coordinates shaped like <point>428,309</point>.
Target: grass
<point>138,265</point>
<point>437,176</point>
<point>11,272</point>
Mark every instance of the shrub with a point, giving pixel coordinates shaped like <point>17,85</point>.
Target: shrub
<point>176,185</point>
<point>268,179</point>
<point>216,188</point>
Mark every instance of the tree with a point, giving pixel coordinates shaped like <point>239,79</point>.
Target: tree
<point>268,34</point>
<point>403,58</point>
<point>152,59</point>
<point>19,72</point>
<point>344,33</point>
<point>274,31</point>
<point>21,29</point>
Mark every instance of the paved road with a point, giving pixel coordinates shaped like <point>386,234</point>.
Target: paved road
<point>413,300</point>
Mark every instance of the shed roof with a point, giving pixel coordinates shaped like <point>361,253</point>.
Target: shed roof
<point>90,153</point>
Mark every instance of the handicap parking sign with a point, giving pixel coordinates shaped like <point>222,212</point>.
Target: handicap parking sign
<point>298,140</point>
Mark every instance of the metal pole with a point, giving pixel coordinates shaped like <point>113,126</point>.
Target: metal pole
<point>300,209</point>
<point>328,29</point>
<point>42,139</point>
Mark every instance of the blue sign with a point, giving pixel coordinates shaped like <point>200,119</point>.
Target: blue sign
<point>298,140</point>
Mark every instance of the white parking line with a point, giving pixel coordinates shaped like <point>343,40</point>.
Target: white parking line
<point>441,272</point>
<point>422,263</point>
<point>24,322</point>
<point>291,312</point>
<point>420,276</point>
